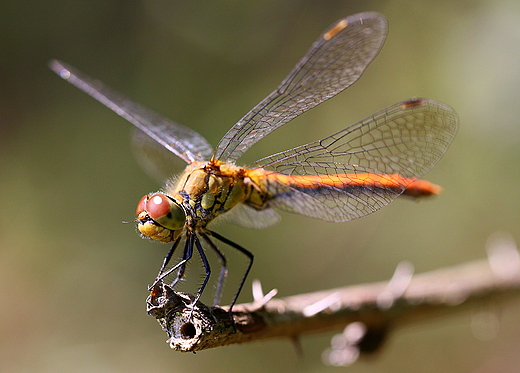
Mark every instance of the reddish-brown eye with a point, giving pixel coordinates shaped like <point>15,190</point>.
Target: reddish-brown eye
<point>158,206</point>
<point>165,212</point>
<point>141,206</point>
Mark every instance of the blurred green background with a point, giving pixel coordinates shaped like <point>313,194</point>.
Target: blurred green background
<point>73,278</point>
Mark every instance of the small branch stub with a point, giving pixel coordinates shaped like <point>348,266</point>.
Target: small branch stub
<point>190,327</point>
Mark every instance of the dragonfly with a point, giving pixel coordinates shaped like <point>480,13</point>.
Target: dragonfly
<point>344,176</point>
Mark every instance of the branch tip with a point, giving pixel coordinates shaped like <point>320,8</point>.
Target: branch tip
<point>404,299</point>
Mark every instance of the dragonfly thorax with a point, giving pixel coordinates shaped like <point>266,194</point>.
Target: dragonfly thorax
<point>202,192</point>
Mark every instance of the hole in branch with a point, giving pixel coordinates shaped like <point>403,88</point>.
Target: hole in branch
<point>188,330</point>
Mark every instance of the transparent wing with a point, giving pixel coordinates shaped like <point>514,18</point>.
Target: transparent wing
<point>407,139</point>
<point>335,61</point>
<point>181,141</point>
<point>248,217</point>
<point>155,159</point>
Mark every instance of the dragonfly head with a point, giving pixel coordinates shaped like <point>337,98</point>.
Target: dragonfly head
<point>160,217</point>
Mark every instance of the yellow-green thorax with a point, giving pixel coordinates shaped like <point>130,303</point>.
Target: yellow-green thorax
<point>201,193</point>
<point>208,189</point>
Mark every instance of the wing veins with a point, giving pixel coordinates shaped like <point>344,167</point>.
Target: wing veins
<point>407,138</point>
<point>181,141</point>
<point>330,66</point>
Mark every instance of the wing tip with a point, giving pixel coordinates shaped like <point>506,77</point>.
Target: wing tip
<point>59,68</point>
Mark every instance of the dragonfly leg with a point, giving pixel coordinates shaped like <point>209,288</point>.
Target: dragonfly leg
<point>188,252</point>
<point>223,269</point>
<point>250,264</point>
<point>206,265</point>
<point>182,267</point>
<point>168,256</point>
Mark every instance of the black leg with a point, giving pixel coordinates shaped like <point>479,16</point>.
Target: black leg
<point>207,268</point>
<point>243,251</point>
<point>188,251</point>
<point>182,267</point>
<point>169,255</point>
<point>223,269</point>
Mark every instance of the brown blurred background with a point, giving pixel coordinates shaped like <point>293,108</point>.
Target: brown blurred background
<point>73,278</point>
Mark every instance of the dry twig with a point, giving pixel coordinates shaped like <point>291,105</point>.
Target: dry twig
<point>405,299</point>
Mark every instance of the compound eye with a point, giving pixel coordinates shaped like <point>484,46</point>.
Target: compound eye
<point>141,206</point>
<point>165,212</point>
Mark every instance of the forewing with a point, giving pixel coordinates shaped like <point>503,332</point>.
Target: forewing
<point>335,61</point>
<point>407,138</point>
<point>155,159</point>
<point>182,141</point>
